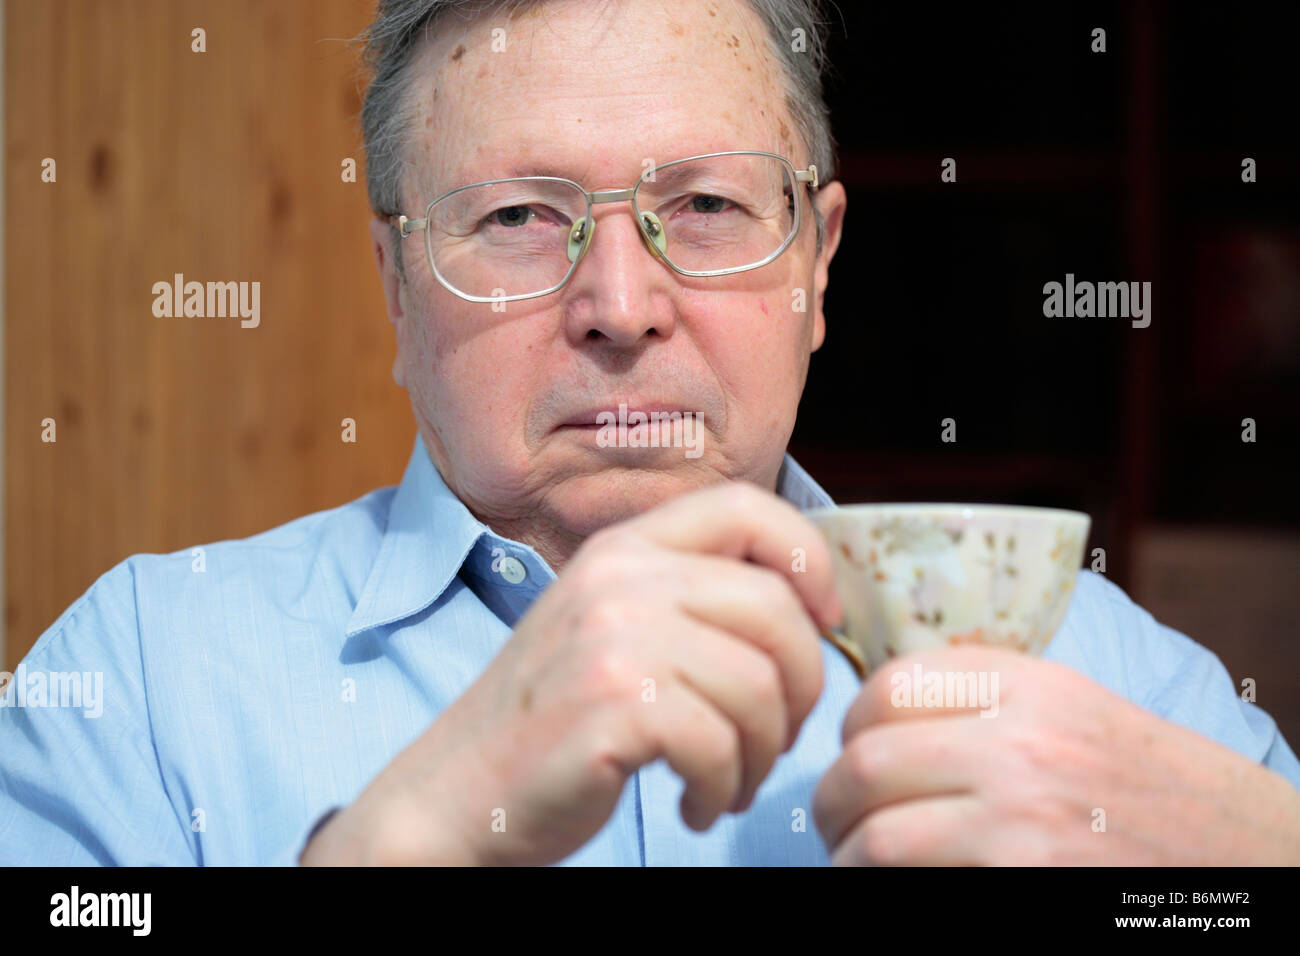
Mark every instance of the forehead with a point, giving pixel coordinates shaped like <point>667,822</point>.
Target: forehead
<point>592,91</point>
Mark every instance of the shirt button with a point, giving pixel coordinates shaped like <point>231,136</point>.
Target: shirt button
<point>512,569</point>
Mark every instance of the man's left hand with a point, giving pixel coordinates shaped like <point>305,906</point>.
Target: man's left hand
<point>1065,773</point>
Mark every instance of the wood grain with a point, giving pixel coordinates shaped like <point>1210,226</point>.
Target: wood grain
<point>222,166</point>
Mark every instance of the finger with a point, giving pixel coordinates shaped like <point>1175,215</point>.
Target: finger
<point>745,685</point>
<point>740,520</point>
<point>757,605</point>
<point>945,682</point>
<point>897,762</point>
<point>938,831</point>
<point>699,743</point>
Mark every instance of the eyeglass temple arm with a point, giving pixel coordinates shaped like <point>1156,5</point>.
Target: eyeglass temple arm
<point>406,226</point>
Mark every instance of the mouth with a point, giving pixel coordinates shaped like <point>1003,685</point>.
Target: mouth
<point>631,430</point>
<point>618,413</point>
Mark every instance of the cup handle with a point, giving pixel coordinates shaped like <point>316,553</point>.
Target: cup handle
<point>848,649</point>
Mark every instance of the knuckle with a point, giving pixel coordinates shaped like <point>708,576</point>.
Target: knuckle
<point>1046,812</point>
<point>610,674</point>
<point>815,690</point>
<point>606,762</point>
<point>1010,797</point>
<point>776,590</point>
<point>1028,789</point>
<point>719,748</point>
<point>605,566</point>
<point>606,617</point>
<point>776,593</point>
<point>613,551</point>
<point>866,759</point>
<point>880,843</point>
<point>743,497</point>
<point>821,811</point>
<point>877,692</point>
<point>763,681</point>
<point>818,547</point>
<point>1038,749</point>
<point>794,620</point>
<point>1017,844</point>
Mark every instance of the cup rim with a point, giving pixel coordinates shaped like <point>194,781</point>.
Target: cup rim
<point>951,510</point>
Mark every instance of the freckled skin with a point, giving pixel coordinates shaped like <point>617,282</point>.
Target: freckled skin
<point>487,388</point>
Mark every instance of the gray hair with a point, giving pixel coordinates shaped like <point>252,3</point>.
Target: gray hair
<point>795,34</point>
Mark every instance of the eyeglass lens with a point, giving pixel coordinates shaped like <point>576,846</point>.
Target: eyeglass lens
<point>522,237</point>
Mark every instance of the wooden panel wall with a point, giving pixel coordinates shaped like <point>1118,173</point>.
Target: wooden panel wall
<point>222,166</point>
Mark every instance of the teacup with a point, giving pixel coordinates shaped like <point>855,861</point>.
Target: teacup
<point>920,576</point>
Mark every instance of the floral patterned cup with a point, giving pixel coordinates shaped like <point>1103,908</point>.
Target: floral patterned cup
<point>918,576</point>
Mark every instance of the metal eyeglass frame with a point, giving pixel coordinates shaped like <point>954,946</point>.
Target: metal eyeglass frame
<point>580,236</point>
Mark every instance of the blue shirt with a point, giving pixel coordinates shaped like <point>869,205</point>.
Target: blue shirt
<point>248,687</point>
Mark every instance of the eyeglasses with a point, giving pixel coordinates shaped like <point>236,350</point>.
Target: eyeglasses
<point>519,238</point>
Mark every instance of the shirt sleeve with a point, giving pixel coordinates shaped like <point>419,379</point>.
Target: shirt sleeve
<point>1123,647</point>
<point>80,782</point>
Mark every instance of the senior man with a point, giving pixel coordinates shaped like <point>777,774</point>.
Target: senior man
<point>544,646</point>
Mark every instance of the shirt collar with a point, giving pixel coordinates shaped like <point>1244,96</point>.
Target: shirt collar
<point>797,487</point>
<point>430,535</point>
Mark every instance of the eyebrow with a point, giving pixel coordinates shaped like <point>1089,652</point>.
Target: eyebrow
<point>530,169</point>
<point>516,170</point>
<point>674,174</point>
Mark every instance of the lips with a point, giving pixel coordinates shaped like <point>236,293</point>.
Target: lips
<point>587,418</point>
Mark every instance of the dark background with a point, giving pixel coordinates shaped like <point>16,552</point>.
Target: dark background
<point>1115,166</point>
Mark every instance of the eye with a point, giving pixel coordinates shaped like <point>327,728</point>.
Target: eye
<point>706,203</point>
<point>511,215</point>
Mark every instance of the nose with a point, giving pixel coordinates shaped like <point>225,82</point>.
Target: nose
<point>619,292</point>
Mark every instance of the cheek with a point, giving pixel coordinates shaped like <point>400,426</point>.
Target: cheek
<point>761,342</point>
<point>474,398</point>
<point>761,351</point>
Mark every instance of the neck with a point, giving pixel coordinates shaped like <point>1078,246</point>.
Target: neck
<point>556,546</point>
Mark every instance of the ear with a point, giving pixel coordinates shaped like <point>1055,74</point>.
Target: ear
<point>382,238</point>
<point>831,201</point>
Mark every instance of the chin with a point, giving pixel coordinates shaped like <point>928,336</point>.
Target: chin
<point>586,503</point>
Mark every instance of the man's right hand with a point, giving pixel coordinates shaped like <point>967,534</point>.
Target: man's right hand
<point>683,633</point>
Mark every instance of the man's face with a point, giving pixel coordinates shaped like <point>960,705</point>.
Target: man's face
<point>591,92</point>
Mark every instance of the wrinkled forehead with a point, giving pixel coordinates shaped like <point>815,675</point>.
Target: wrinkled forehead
<point>591,91</point>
